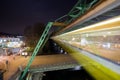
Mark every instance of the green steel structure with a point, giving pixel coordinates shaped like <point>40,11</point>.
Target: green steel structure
<point>78,10</point>
<point>40,42</point>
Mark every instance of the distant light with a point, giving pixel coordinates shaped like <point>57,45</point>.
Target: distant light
<point>26,53</point>
<point>118,62</point>
<point>86,35</point>
<point>21,42</point>
<point>1,41</point>
<point>106,45</point>
<point>73,39</point>
<point>77,68</point>
<point>23,53</point>
<point>5,40</point>
<point>83,41</point>
<point>109,32</point>
<point>104,36</point>
<point>55,44</point>
<point>61,51</point>
<point>65,53</point>
<point>13,44</point>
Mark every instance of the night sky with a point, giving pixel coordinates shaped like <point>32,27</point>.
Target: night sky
<point>15,15</point>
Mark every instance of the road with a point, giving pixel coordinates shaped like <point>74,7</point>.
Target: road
<point>14,63</point>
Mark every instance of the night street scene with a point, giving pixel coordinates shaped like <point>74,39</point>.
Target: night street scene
<point>60,40</point>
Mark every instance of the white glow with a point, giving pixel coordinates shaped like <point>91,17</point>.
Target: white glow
<point>13,44</point>
<point>86,35</point>
<point>106,45</point>
<point>109,32</point>
<point>104,36</point>
<point>1,41</point>
<point>83,42</point>
<point>65,53</point>
<point>61,51</point>
<point>77,68</point>
<point>73,39</point>
<point>5,40</point>
<point>26,53</point>
<point>23,53</point>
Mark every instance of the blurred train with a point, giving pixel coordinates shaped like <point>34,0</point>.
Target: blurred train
<point>101,39</point>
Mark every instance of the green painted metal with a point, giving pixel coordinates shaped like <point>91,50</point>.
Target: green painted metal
<point>79,9</point>
<point>38,46</point>
<point>57,20</point>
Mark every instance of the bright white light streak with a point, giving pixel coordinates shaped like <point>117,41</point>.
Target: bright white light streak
<point>94,25</point>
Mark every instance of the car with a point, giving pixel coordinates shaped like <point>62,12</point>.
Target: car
<point>24,53</point>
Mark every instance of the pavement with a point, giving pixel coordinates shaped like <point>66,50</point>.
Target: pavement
<point>12,66</point>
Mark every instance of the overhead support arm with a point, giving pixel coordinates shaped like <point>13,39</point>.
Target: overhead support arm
<point>59,24</point>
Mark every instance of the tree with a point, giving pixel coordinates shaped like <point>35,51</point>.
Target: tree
<point>32,35</point>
